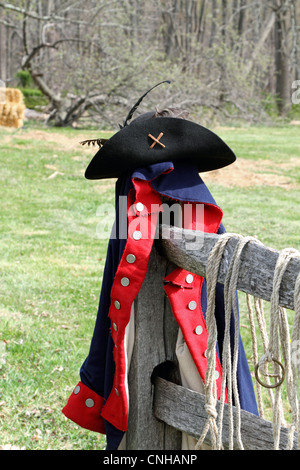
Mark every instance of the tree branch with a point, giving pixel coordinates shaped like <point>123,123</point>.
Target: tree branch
<point>9,25</point>
<point>35,16</point>
<point>266,31</point>
<point>42,85</point>
<point>36,49</point>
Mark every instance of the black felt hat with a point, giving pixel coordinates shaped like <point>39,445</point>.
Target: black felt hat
<point>149,140</point>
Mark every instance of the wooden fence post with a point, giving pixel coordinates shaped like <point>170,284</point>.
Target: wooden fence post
<point>155,338</point>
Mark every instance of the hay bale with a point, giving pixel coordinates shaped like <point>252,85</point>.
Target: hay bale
<point>12,110</point>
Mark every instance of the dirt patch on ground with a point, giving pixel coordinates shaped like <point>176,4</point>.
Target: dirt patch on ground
<point>249,173</point>
<point>242,173</point>
<point>57,139</point>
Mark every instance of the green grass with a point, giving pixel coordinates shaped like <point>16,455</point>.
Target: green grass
<point>52,262</point>
<point>51,268</point>
<point>271,213</point>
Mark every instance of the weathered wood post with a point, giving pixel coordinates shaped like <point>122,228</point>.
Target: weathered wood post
<point>155,339</point>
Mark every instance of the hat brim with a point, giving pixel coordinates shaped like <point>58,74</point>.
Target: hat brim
<point>130,148</point>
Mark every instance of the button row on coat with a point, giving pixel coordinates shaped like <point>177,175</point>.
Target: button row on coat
<point>139,207</point>
<point>125,281</point>
<point>192,306</point>
<point>137,235</point>
<point>89,402</point>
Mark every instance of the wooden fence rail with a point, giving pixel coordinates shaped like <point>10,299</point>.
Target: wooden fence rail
<point>257,262</point>
<point>159,408</point>
<point>183,409</point>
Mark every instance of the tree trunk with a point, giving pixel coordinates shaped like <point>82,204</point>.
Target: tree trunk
<point>282,62</point>
<point>3,48</point>
<point>242,17</point>
<point>201,22</point>
<point>213,23</point>
<point>265,32</point>
<point>224,19</point>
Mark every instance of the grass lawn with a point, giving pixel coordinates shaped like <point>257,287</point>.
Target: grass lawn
<point>52,261</point>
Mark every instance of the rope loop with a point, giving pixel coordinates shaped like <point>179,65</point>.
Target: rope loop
<point>278,341</point>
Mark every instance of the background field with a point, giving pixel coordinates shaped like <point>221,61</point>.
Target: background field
<point>51,260</point>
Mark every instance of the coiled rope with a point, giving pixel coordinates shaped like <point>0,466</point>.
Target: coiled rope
<point>279,341</point>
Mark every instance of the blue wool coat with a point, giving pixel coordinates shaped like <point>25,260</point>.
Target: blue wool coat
<point>180,182</point>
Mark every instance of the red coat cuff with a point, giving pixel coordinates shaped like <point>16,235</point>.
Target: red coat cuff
<point>84,408</point>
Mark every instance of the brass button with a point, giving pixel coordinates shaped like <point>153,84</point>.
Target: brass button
<point>115,327</point>
<point>192,305</point>
<point>139,206</point>
<point>117,305</point>
<point>130,259</point>
<point>125,281</point>
<point>137,235</point>
<point>198,330</point>
<point>89,403</point>
<point>77,390</point>
<point>189,279</point>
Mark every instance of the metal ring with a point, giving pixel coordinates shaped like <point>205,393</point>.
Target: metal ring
<point>271,375</point>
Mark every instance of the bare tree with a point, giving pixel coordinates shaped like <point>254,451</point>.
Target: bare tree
<point>83,71</point>
<point>286,45</point>
<point>92,57</point>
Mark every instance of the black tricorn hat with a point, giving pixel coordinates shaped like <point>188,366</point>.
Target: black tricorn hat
<point>150,139</point>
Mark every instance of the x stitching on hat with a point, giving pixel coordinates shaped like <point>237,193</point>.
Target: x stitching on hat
<point>156,140</point>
